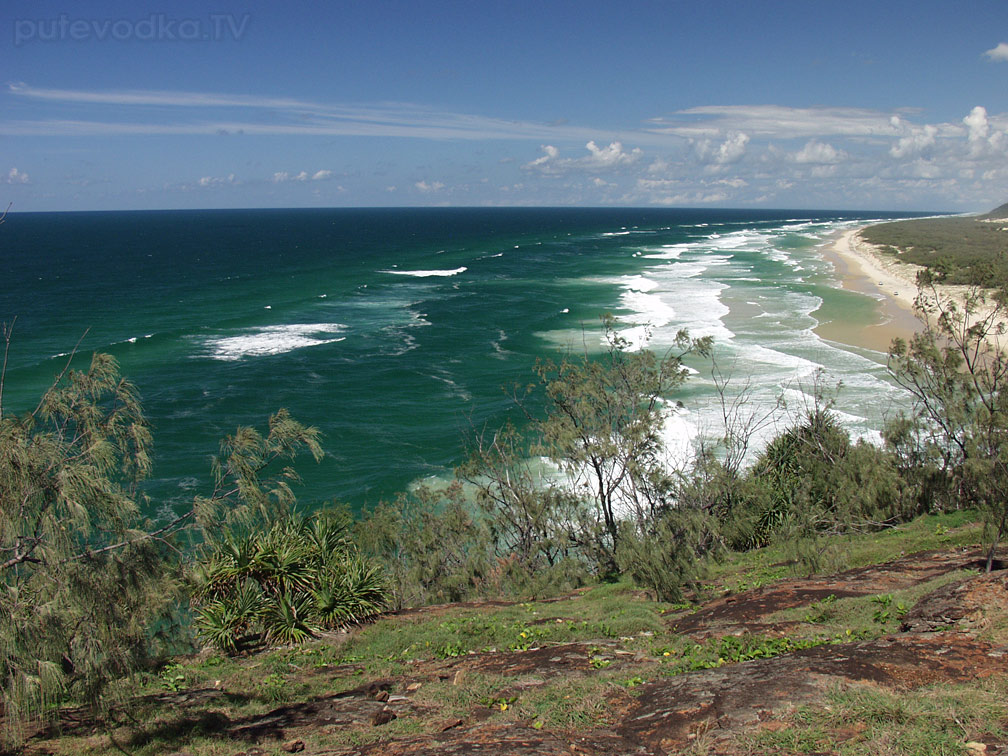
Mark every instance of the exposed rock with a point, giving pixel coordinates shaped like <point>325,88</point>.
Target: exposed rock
<point>382,717</point>
<point>748,610</point>
<point>726,700</point>
<point>959,605</point>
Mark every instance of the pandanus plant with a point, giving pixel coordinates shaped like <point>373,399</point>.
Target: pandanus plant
<point>284,584</point>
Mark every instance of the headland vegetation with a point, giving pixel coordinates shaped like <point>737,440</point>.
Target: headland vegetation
<point>570,587</point>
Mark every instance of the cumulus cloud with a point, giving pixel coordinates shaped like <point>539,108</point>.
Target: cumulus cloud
<point>550,154</point>
<point>321,175</point>
<point>427,188</point>
<point>729,151</point>
<point>976,123</point>
<point>819,153</point>
<point>998,54</point>
<point>14,176</point>
<point>614,154</point>
<point>683,192</point>
<point>915,142</point>
<point>598,158</point>
<point>983,136</point>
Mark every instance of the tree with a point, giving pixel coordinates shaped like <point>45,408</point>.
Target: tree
<point>956,369</point>
<point>85,576</point>
<point>82,576</point>
<point>603,423</point>
<point>543,538</point>
<point>434,547</point>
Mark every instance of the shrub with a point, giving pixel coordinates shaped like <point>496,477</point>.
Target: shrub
<point>284,584</point>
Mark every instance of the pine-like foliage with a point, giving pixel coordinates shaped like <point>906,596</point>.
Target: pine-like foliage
<point>956,370</point>
<point>284,584</point>
<point>81,576</point>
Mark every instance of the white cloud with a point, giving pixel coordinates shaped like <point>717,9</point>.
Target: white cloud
<point>998,54</point>
<point>915,142</point>
<point>281,177</point>
<point>14,176</point>
<point>550,154</point>
<point>729,151</point>
<point>614,154</point>
<point>287,116</point>
<point>217,180</point>
<point>427,188</point>
<point>819,153</point>
<point>984,136</point>
<point>775,121</point>
<point>598,158</point>
<point>977,124</point>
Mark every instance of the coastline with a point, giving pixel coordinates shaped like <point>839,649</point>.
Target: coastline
<point>892,284</point>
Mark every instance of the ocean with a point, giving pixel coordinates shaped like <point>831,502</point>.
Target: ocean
<point>398,331</point>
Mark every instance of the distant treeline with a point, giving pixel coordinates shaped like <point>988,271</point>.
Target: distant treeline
<point>961,250</point>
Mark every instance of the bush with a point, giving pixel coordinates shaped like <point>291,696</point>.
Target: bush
<point>284,584</point>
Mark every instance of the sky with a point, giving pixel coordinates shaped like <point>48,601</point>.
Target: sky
<point>881,105</point>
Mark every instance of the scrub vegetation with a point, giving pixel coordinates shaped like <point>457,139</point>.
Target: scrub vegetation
<point>578,512</point>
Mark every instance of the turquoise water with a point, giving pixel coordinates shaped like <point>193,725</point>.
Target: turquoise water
<point>395,330</point>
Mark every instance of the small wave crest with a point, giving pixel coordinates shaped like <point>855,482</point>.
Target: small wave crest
<point>272,340</point>
<point>427,273</point>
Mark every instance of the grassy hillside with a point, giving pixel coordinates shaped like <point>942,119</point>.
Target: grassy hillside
<point>998,213</point>
<point>611,671</point>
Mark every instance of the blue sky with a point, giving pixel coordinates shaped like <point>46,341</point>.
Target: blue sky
<point>853,105</point>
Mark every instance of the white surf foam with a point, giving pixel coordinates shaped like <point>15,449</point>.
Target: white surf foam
<point>427,273</point>
<point>272,340</point>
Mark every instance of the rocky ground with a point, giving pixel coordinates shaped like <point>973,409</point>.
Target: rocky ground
<point>949,635</point>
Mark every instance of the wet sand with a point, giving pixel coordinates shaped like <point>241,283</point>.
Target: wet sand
<point>892,284</point>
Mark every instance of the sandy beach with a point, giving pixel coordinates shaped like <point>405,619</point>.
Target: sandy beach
<point>861,268</point>
<point>893,284</point>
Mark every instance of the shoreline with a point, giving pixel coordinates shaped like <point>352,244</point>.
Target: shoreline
<point>893,285</point>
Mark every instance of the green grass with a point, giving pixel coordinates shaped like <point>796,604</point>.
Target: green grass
<point>628,640</point>
<point>859,720</point>
<point>754,569</point>
<point>609,611</point>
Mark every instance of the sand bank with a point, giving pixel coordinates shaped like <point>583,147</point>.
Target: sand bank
<point>892,283</point>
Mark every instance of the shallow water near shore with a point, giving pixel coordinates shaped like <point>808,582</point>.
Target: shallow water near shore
<point>395,330</point>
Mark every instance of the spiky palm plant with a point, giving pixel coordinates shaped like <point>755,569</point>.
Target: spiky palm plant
<point>283,584</point>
